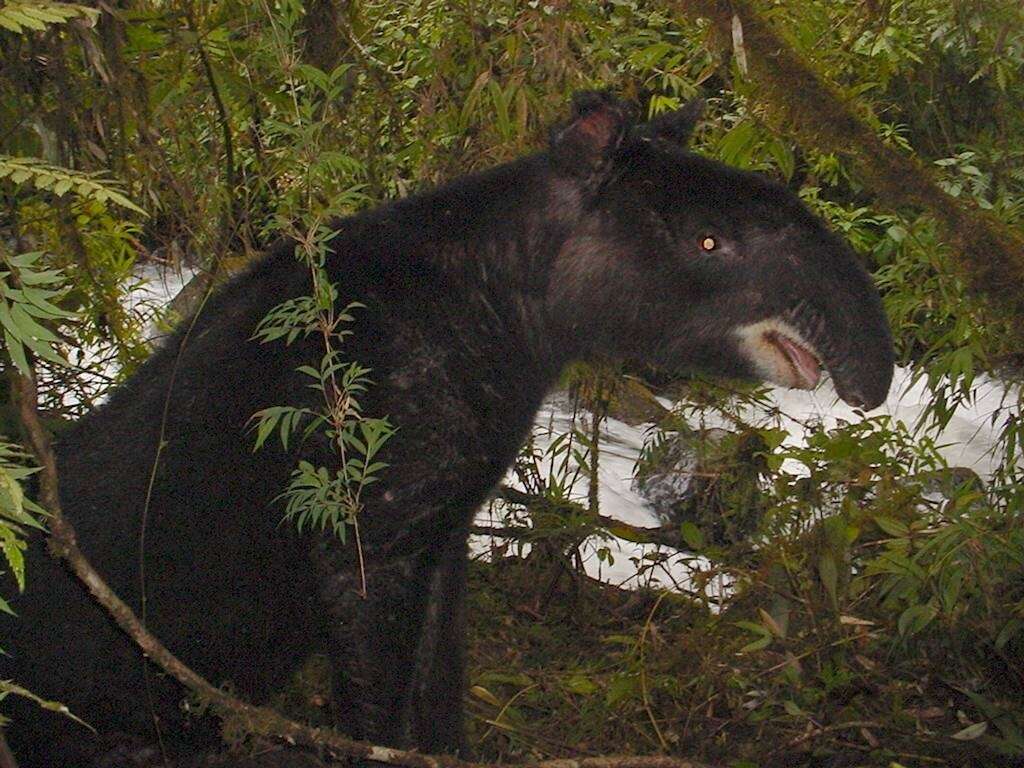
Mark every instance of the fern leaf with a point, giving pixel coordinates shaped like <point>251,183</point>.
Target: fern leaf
<point>20,16</point>
<point>50,178</point>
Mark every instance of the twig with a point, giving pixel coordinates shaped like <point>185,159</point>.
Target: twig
<point>643,670</point>
<point>225,124</point>
<point>666,535</point>
<point>817,730</point>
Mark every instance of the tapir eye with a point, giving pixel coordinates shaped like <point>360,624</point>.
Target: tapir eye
<point>708,243</point>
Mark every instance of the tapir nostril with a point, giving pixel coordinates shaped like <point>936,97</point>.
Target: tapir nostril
<point>862,400</point>
<point>859,390</point>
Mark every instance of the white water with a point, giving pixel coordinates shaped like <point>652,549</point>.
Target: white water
<point>152,288</point>
<point>155,288</point>
<point>967,441</point>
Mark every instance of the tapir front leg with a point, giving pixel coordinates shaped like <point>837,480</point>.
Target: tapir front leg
<point>439,679</point>
<point>398,651</point>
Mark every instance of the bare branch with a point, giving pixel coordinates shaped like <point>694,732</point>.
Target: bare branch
<point>666,535</point>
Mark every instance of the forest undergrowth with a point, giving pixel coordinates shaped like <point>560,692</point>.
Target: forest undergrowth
<point>874,609</point>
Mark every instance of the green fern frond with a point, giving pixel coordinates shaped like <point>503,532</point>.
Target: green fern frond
<point>36,15</point>
<point>26,307</point>
<point>60,181</point>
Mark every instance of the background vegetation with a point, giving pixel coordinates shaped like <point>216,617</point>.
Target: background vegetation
<point>875,601</point>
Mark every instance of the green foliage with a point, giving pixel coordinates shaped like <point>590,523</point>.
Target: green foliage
<point>870,589</point>
<point>27,294</point>
<point>878,581</point>
<point>21,17</point>
<point>879,615</point>
<point>18,514</point>
<point>60,181</point>
<point>317,497</point>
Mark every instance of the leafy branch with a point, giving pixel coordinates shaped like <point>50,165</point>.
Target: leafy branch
<point>17,513</point>
<point>20,16</point>
<point>27,296</point>
<point>60,181</point>
<point>318,497</point>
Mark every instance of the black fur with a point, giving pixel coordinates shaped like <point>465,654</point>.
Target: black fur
<point>476,295</point>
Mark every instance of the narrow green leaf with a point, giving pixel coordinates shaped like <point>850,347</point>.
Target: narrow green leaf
<point>692,535</point>
<point>971,732</point>
<point>17,353</point>
<point>915,618</point>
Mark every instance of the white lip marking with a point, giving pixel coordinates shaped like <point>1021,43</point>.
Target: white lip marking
<point>780,354</point>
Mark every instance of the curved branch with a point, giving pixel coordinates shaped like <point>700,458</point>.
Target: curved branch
<point>666,535</point>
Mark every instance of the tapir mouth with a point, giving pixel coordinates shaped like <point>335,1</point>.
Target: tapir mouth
<point>803,361</point>
<point>780,354</point>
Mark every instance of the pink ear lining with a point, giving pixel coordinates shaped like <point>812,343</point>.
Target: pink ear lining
<point>598,126</point>
<point>585,144</point>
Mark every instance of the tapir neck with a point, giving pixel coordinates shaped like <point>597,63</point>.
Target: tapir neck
<point>477,258</point>
<point>456,328</point>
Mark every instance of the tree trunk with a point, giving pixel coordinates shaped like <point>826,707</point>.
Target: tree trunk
<point>326,33</point>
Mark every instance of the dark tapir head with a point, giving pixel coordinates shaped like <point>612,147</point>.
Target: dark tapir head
<point>685,262</point>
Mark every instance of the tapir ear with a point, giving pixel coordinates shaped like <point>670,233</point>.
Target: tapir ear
<point>585,144</point>
<point>675,126</point>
